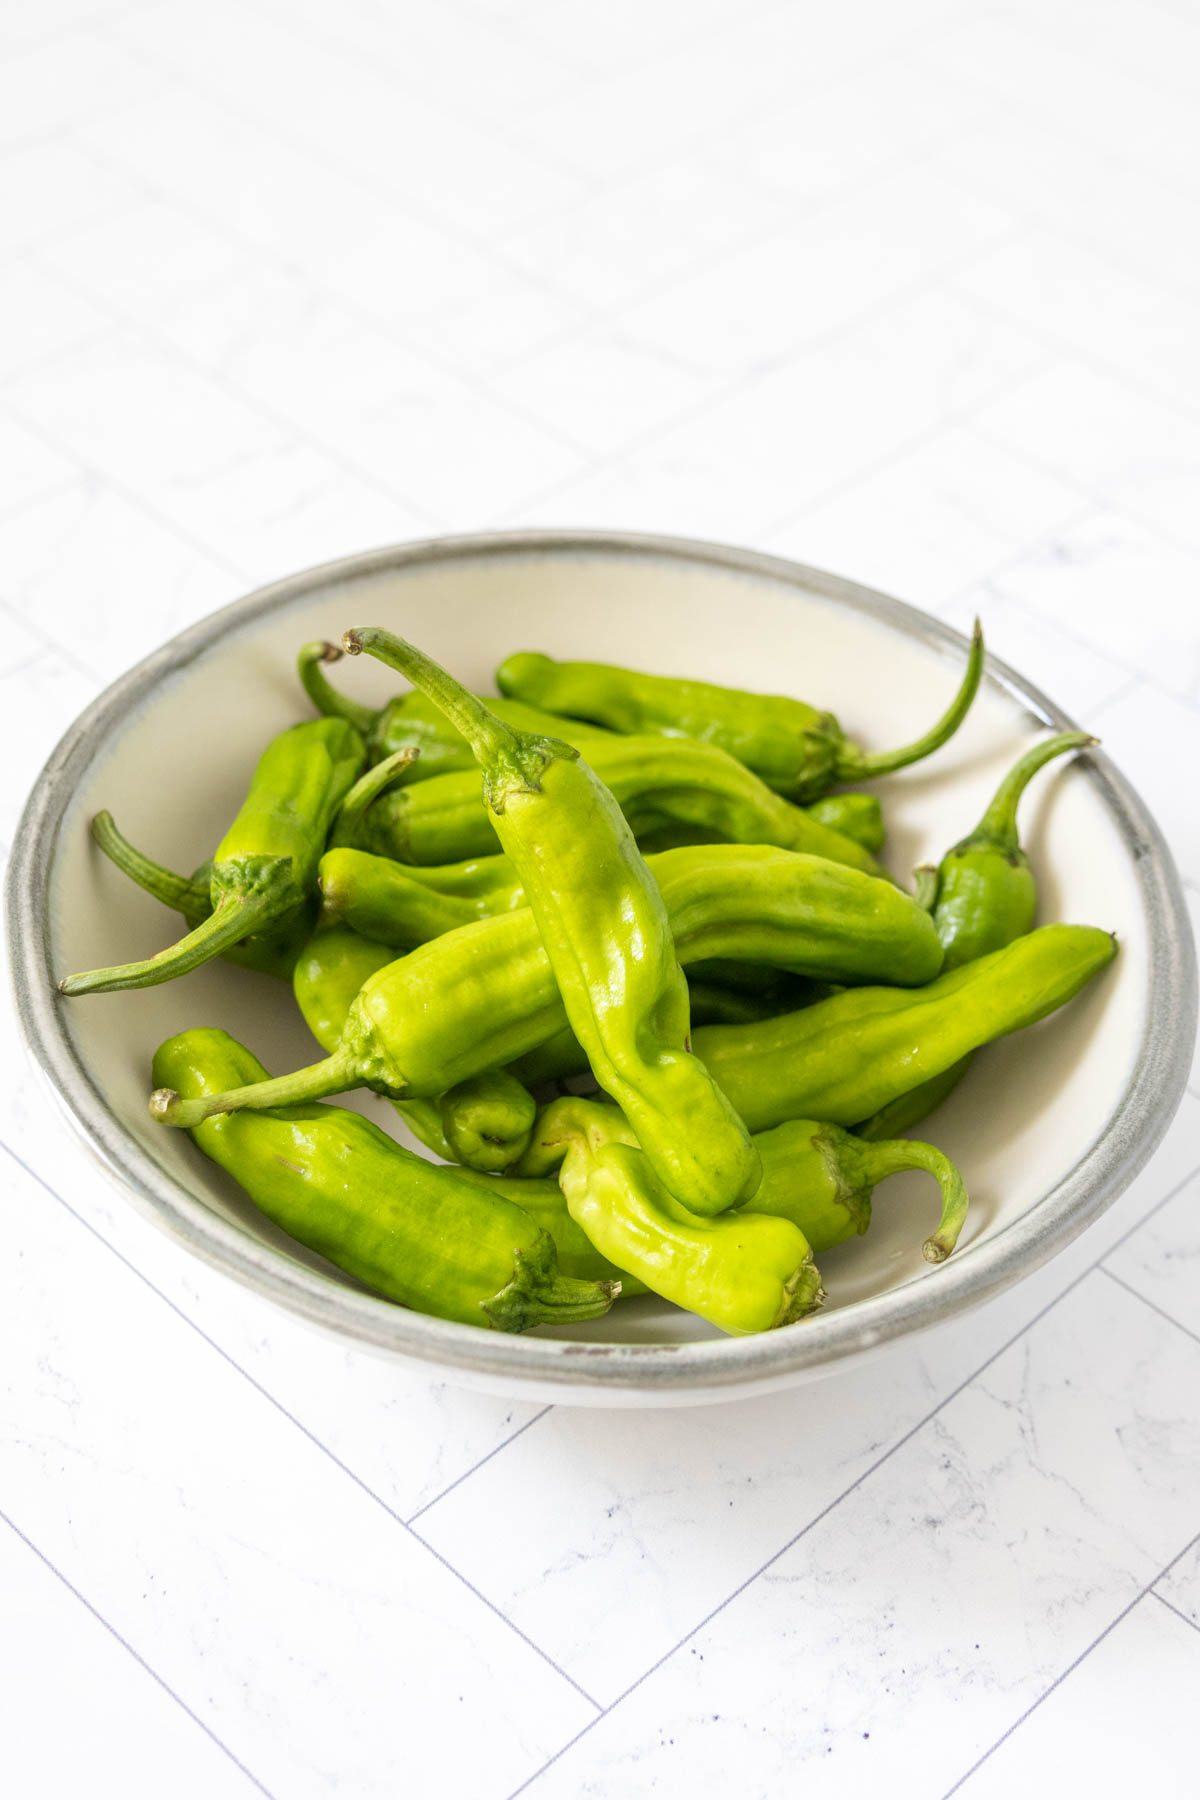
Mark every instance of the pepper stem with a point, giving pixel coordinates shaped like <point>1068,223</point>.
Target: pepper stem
<point>364,794</point>
<point>324,696</point>
<point>535,1299</point>
<point>226,926</point>
<point>875,1162</point>
<point>333,1075</point>
<point>182,893</point>
<point>926,880</point>
<point>497,747</point>
<point>854,764</point>
<point>998,826</point>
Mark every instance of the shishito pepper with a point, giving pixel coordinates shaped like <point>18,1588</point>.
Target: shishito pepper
<point>264,869</point>
<point>818,1176</point>
<point>798,750</point>
<point>606,933</point>
<point>747,902</point>
<point>418,1234</point>
<point>844,1058</point>
<point>484,994</point>
<point>982,896</point>
<point>652,779</point>
<point>490,1116</point>
<point>411,720</point>
<point>742,1271</point>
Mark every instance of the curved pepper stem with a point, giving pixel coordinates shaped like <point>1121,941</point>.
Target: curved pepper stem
<point>324,696</point>
<point>854,764</point>
<point>180,892</point>
<point>998,826</point>
<point>497,747</point>
<point>225,927</point>
<point>365,792</point>
<point>335,1074</point>
<point>873,1163</point>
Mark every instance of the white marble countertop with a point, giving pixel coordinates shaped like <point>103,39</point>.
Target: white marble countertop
<point>907,291</point>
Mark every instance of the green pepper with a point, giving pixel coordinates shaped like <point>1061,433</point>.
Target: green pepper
<point>741,1271</point>
<point>489,1116</point>
<point>858,817</point>
<point>758,904</point>
<point>413,720</point>
<point>842,1059</point>
<point>444,820</point>
<point>417,1234</point>
<point>607,935</point>
<point>821,1177</point>
<point>546,1205</point>
<point>272,953</point>
<point>484,994</point>
<point>818,1176</point>
<point>798,750</point>
<point>982,896</point>
<point>265,867</point>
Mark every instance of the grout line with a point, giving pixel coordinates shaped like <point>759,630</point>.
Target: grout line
<point>1072,1666</point>
<point>459,1479</point>
<point>304,1430</point>
<point>858,1482</point>
<point>136,1655</point>
<point>1152,1304</point>
<point>1171,1607</point>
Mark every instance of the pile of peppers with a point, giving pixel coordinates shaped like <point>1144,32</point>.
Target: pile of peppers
<point>617,948</point>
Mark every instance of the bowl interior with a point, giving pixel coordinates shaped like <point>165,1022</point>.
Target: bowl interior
<point>174,765</point>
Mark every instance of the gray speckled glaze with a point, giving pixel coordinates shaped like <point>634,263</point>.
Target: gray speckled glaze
<point>599,1372</point>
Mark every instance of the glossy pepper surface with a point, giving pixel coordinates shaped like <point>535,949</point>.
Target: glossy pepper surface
<point>606,933</point>
<point>822,1178</point>
<point>414,1233</point>
<point>818,1176</point>
<point>264,869</point>
<point>413,721</point>
<point>485,994</point>
<point>798,750</point>
<point>982,896</point>
<point>653,779</point>
<point>843,1058</point>
<point>743,1272</point>
<point>746,903</point>
<point>486,1119</point>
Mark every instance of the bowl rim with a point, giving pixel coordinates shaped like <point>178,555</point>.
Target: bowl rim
<point>1153,1090</point>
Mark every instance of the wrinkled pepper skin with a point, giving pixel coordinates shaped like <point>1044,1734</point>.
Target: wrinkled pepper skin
<point>483,995</point>
<point>797,750</point>
<point>415,1233</point>
<point>652,779</point>
<point>747,903</point>
<point>742,1272</point>
<point>843,1059</point>
<point>607,936</point>
<point>818,1176</point>
<point>982,895</point>
<point>264,869</point>
<point>858,817</point>
<point>490,1116</point>
<point>411,720</point>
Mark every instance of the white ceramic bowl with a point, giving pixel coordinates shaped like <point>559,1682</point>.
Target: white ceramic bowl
<point>1049,1126</point>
